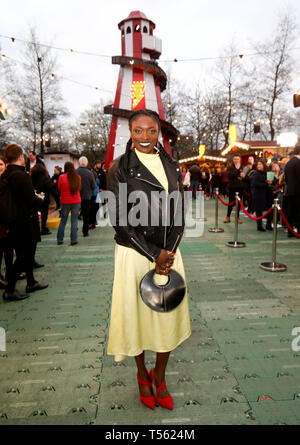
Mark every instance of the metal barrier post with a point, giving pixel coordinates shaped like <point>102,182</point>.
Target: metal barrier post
<point>202,197</point>
<point>236,243</point>
<point>216,229</point>
<point>273,266</point>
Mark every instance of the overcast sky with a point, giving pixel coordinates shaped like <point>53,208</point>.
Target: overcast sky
<point>188,29</point>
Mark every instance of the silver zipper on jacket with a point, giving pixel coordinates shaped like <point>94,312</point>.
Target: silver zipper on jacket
<point>156,185</point>
<point>145,180</point>
<point>141,247</point>
<point>165,237</point>
<point>175,243</point>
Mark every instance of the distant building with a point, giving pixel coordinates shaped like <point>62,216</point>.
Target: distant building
<point>266,149</point>
<point>51,159</point>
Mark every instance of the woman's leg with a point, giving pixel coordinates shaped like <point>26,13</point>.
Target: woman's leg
<point>259,222</point>
<point>44,215</point>
<point>74,221</point>
<point>64,217</point>
<point>145,391</point>
<point>9,257</point>
<point>159,372</point>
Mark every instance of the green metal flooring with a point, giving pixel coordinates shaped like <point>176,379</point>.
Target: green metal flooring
<point>238,367</point>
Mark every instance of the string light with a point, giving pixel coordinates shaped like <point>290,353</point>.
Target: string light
<point>86,53</point>
<point>240,57</point>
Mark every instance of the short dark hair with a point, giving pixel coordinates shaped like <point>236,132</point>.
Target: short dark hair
<point>149,113</point>
<point>296,150</point>
<point>12,152</point>
<point>33,152</point>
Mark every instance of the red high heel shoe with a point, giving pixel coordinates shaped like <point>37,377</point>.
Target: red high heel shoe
<point>149,401</point>
<point>166,402</point>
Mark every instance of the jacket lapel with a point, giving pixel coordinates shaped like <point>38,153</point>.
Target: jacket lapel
<point>137,169</point>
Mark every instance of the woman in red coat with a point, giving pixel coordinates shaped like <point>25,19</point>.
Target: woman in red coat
<point>69,187</point>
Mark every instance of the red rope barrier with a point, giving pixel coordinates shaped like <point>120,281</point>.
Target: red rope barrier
<point>252,217</point>
<point>208,194</point>
<point>224,203</point>
<point>297,235</point>
<point>205,193</point>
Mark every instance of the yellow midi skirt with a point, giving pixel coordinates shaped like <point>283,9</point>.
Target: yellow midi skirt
<point>134,327</point>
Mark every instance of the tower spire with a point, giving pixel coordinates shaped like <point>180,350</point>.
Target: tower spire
<point>140,83</point>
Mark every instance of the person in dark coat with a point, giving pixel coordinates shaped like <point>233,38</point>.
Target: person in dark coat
<point>248,198</point>
<point>24,233</point>
<point>102,184</point>
<point>216,180</point>
<point>204,181</point>
<point>32,160</point>
<point>42,184</point>
<point>292,180</point>
<point>224,181</point>
<point>55,177</point>
<point>6,251</point>
<point>88,184</point>
<point>195,179</point>
<point>261,194</point>
<point>236,178</point>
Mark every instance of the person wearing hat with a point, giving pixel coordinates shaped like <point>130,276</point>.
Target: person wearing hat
<point>292,179</point>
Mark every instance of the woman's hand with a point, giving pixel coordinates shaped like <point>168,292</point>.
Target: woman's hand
<point>164,262</point>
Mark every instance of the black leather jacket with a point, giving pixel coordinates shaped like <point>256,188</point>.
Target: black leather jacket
<point>148,239</point>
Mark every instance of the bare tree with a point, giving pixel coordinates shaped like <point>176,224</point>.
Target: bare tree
<point>275,74</point>
<point>174,99</point>
<point>232,83</point>
<point>92,132</point>
<point>36,93</point>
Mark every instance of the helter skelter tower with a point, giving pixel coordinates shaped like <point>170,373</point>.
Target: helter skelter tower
<point>140,84</point>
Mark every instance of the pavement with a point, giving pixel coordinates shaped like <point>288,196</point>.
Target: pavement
<point>241,365</point>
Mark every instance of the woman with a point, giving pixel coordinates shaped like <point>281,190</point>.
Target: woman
<point>43,184</point>
<point>69,187</point>
<point>134,327</point>
<point>6,250</point>
<point>55,179</point>
<point>186,179</point>
<point>236,184</point>
<point>204,181</point>
<point>94,203</point>
<point>261,195</point>
<point>56,175</point>
<point>276,183</point>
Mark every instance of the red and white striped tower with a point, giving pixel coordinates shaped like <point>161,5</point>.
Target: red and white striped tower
<point>140,84</point>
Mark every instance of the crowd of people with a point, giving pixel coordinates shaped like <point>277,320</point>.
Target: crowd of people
<point>30,187</point>
<point>258,183</point>
<point>76,192</point>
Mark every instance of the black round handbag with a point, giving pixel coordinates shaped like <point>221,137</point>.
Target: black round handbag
<point>162,298</point>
